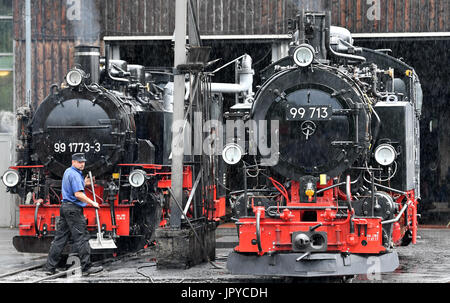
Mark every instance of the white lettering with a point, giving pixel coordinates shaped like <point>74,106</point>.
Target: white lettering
<point>80,147</point>
<point>246,292</point>
<point>374,12</point>
<point>73,10</point>
<point>198,293</point>
<point>74,271</point>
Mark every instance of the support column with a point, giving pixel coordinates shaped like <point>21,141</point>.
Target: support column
<point>181,246</point>
<point>178,113</point>
<point>28,52</point>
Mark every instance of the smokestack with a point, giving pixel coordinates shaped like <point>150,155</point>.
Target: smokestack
<point>88,59</point>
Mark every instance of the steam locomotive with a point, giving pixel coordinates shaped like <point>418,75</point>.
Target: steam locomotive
<point>120,116</point>
<point>326,178</point>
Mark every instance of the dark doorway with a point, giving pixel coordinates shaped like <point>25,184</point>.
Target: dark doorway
<point>160,54</point>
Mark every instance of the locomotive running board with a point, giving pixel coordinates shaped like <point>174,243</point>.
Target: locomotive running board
<point>315,265</point>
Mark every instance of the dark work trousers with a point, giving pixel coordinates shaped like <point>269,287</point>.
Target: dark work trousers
<point>71,224</point>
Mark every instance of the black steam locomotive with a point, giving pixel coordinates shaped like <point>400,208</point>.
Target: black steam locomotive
<point>329,170</point>
<point>121,119</point>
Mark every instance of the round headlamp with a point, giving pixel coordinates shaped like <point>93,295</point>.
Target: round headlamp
<point>137,178</point>
<point>304,55</point>
<point>74,77</point>
<point>232,153</point>
<point>385,154</point>
<point>11,178</point>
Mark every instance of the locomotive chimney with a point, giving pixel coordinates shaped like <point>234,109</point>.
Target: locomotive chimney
<point>88,59</point>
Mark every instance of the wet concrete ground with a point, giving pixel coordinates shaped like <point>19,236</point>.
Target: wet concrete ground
<point>426,262</point>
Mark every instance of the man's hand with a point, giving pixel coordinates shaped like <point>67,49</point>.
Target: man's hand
<point>87,181</point>
<point>83,198</point>
<point>95,204</point>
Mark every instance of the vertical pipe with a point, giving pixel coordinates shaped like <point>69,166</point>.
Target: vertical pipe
<point>414,223</point>
<point>28,52</point>
<point>178,113</point>
<point>349,203</point>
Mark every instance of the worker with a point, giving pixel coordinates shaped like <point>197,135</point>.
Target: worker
<point>71,220</point>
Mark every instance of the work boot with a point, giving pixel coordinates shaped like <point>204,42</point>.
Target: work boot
<point>49,271</point>
<point>92,270</point>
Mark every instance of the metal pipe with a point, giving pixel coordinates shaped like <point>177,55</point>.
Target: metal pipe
<point>245,84</point>
<point>269,209</point>
<point>349,202</point>
<point>391,189</point>
<point>99,230</point>
<point>112,211</point>
<point>299,223</point>
<point>346,56</point>
<point>191,196</point>
<point>245,189</point>
<point>399,214</point>
<point>168,97</point>
<point>306,254</point>
<point>225,65</point>
<point>377,127</point>
<point>375,82</point>
<point>258,230</point>
<point>372,192</point>
<point>229,88</point>
<point>36,227</point>
<point>23,269</point>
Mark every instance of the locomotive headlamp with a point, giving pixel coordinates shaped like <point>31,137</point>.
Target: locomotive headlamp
<point>137,178</point>
<point>11,178</point>
<point>385,154</point>
<point>232,153</point>
<point>74,77</point>
<point>304,55</point>
<point>309,192</point>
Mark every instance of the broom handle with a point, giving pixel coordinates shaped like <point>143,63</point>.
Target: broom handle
<point>96,210</point>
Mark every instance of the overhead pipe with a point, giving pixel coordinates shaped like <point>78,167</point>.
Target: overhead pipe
<point>245,84</point>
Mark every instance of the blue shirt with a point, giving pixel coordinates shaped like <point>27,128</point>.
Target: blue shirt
<point>72,182</point>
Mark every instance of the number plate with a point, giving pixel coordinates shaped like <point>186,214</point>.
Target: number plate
<point>309,112</point>
<point>76,147</point>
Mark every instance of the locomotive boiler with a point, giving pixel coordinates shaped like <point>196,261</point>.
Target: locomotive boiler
<point>329,168</point>
<point>117,115</point>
